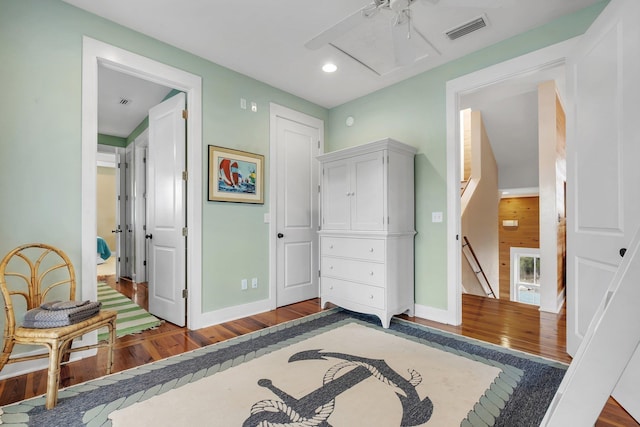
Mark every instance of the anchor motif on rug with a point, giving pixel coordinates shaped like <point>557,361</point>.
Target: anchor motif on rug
<point>315,408</point>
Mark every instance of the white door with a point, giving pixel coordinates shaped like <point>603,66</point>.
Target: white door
<point>298,142</point>
<point>140,192</point>
<point>120,214</point>
<point>603,149</point>
<point>165,210</point>
<point>367,192</point>
<point>336,192</point>
<point>129,224</point>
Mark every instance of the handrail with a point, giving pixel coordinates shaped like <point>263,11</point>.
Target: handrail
<point>464,185</point>
<point>475,258</point>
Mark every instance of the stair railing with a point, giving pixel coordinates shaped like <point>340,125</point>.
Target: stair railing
<point>477,268</point>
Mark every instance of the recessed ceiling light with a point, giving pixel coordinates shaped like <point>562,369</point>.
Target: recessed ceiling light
<point>329,67</point>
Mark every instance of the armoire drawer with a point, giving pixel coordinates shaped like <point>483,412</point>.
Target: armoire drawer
<point>336,289</point>
<point>370,273</point>
<point>365,249</point>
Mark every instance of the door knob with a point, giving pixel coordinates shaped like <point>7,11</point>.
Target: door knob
<point>280,235</point>
<point>148,236</point>
<point>623,251</point>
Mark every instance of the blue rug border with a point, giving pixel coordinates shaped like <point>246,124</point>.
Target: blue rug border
<point>78,405</point>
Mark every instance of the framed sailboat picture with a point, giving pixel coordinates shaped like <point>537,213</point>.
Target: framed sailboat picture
<point>235,176</point>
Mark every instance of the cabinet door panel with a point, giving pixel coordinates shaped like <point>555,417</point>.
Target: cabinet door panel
<point>336,196</point>
<point>367,192</point>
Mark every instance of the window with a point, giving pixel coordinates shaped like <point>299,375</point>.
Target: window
<point>525,275</point>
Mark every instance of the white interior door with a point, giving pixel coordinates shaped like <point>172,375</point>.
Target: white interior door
<point>140,182</point>
<point>129,220</point>
<point>603,148</point>
<point>120,214</point>
<point>165,210</point>
<point>297,145</point>
<point>602,154</point>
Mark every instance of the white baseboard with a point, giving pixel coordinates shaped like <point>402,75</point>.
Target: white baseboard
<point>231,313</point>
<point>435,314</point>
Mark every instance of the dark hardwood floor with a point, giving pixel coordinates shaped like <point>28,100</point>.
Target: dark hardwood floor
<point>504,323</point>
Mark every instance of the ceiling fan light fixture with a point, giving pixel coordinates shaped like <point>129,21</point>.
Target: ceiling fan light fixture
<point>329,67</point>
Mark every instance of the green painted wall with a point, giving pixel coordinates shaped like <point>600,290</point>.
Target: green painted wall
<point>413,112</point>
<point>40,140</point>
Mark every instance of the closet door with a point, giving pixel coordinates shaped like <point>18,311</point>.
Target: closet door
<point>336,196</point>
<point>368,192</point>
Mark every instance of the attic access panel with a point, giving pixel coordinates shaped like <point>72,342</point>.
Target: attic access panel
<point>371,43</point>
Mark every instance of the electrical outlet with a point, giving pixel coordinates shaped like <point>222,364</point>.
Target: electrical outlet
<point>243,284</point>
<point>254,282</point>
<point>436,216</point>
<point>243,103</point>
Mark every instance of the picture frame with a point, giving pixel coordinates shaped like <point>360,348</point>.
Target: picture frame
<point>235,176</point>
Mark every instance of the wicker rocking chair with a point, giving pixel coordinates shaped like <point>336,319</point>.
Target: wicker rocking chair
<point>39,272</point>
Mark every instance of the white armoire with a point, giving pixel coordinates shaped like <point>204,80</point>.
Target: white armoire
<point>367,229</point>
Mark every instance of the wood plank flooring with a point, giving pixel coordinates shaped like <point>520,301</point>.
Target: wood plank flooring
<point>504,323</point>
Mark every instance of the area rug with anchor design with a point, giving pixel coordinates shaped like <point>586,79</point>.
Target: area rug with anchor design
<point>334,368</point>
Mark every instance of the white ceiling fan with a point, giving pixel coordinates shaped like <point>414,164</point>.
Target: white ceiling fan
<point>401,24</point>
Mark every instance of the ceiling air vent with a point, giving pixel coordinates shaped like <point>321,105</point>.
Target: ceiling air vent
<point>124,101</point>
<point>467,28</point>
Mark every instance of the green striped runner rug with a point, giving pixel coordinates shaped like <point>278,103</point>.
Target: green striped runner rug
<point>131,317</point>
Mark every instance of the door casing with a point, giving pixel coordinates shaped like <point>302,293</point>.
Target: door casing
<point>93,53</point>
<point>538,60</point>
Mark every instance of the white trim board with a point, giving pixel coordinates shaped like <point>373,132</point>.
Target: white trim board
<point>535,61</point>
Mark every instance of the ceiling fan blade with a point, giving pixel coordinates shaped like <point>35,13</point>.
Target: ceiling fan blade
<point>478,4</point>
<point>402,49</point>
<point>342,27</point>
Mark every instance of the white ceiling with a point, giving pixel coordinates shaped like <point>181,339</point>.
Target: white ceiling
<point>510,115</point>
<point>265,39</point>
<point>124,101</point>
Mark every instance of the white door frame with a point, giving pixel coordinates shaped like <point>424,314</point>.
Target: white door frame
<point>276,111</point>
<point>95,52</point>
<point>535,61</point>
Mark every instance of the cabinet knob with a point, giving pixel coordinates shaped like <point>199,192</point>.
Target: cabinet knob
<point>331,267</point>
<point>348,194</point>
<point>371,274</point>
<point>331,288</point>
<point>330,246</point>
<point>370,249</point>
<point>370,296</point>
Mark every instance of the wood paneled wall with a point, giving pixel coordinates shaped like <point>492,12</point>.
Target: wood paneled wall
<point>526,235</point>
